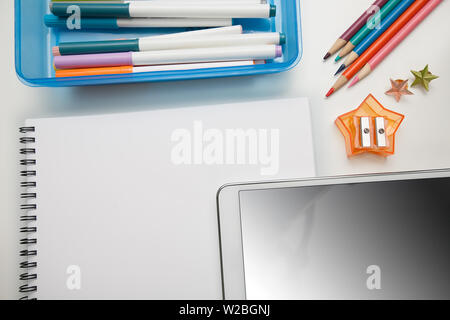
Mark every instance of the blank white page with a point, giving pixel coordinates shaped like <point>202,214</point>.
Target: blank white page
<point>111,201</point>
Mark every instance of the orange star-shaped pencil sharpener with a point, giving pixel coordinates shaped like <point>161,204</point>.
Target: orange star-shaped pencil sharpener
<point>370,128</point>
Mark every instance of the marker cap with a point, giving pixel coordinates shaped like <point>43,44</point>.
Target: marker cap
<point>91,47</point>
<point>278,51</point>
<point>282,38</point>
<point>93,60</point>
<point>273,11</point>
<point>52,21</point>
<point>97,10</point>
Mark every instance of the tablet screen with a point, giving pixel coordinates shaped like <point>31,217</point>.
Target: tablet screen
<point>379,240</point>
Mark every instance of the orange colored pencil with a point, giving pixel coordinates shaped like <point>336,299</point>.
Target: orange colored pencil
<point>361,61</point>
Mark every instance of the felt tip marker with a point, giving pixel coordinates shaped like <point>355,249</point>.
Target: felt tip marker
<point>89,47</point>
<point>256,52</point>
<point>172,67</point>
<point>166,1</point>
<point>52,21</point>
<point>150,9</point>
<point>154,44</point>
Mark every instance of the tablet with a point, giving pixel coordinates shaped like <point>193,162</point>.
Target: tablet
<point>384,236</point>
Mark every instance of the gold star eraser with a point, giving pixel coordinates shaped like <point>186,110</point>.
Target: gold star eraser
<point>370,128</point>
<point>423,78</point>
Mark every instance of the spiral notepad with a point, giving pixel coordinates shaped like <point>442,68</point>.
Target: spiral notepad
<point>110,212</point>
<point>29,229</point>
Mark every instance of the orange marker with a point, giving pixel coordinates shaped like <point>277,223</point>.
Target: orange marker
<point>130,69</point>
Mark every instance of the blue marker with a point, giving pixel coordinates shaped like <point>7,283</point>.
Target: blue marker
<point>376,33</point>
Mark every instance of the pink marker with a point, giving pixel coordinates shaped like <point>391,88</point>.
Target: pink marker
<point>254,52</point>
<point>395,41</point>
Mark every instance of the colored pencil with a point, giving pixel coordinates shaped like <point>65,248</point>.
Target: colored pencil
<point>354,28</point>
<point>153,44</point>
<point>131,69</point>
<point>149,9</point>
<point>367,28</point>
<point>396,40</point>
<point>348,74</point>
<point>376,33</point>
<point>256,52</point>
<point>391,31</point>
<point>52,21</point>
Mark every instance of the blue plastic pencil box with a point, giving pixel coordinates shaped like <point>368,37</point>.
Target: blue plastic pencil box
<point>34,42</point>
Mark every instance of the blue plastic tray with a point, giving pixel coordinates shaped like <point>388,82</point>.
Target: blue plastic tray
<point>34,42</point>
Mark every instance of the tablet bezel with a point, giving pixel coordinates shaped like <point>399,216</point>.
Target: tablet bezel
<point>229,218</point>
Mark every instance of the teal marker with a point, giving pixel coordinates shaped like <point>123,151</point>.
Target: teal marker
<point>52,21</point>
<point>97,10</point>
<point>367,28</point>
<point>146,9</point>
<point>223,37</point>
<point>91,47</point>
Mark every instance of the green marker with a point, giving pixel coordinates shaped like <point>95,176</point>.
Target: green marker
<point>368,27</point>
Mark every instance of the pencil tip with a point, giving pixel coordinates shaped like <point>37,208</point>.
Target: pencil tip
<point>342,67</point>
<point>330,92</point>
<point>327,56</point>
<point>337,58</point>
<point>355,80</point>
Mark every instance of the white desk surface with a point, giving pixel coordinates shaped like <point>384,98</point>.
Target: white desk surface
<point>423,140</point>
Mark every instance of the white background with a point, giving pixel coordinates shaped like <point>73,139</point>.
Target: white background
<point>423,140</point>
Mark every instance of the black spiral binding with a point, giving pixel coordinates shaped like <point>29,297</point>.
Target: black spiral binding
<point>28,274</point>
